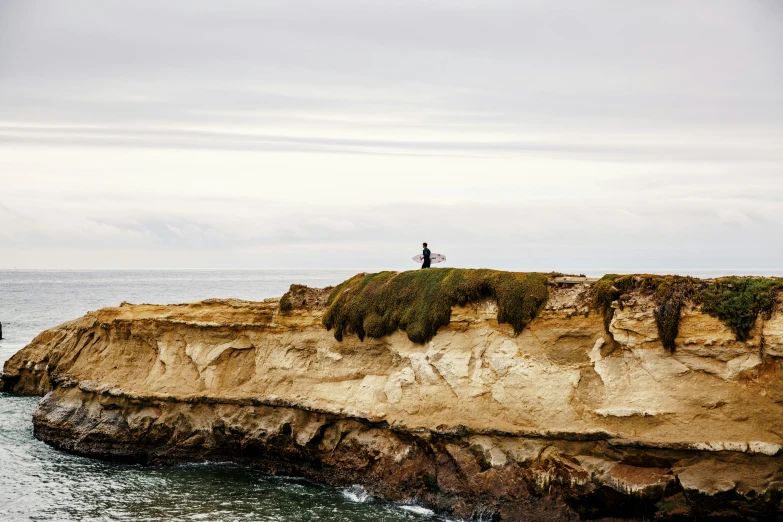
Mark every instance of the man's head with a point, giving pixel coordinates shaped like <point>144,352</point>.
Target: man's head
<point>424,245</point>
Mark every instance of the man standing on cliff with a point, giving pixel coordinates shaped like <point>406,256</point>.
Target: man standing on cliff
<point>426,255</point>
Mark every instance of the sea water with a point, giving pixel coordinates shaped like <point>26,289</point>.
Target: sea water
<point>42,484</point>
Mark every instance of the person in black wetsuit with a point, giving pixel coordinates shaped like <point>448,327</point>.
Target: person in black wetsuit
<point>426,254</point>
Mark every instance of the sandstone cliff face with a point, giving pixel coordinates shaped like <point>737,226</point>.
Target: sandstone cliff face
<point>561,421</point>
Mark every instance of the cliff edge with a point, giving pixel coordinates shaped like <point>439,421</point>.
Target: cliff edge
<point>481,394</point>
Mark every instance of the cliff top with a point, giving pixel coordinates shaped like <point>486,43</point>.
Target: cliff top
<point>420,301</point>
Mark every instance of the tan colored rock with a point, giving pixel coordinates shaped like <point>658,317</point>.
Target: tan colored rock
<point>634,326</point>
<point>773,334</point>
<point>702,335</point>
<point>560,403</point>
<point>482,378</point>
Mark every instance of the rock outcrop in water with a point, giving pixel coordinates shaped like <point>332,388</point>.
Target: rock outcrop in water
<point>563,421</point>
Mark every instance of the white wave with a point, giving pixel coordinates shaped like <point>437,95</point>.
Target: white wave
<point>208,464</point>
<point>418,510</point>
<point>357,494</point>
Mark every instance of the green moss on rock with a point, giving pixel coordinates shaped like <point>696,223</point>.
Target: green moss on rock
<point>668,292</point>
<point>285,304</point>
<point>420,301</point>
<point>604,294</point>
<point>667,319</point>
<point>738,301</point>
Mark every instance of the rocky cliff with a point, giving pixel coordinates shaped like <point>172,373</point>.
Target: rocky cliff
<point>580,414</point>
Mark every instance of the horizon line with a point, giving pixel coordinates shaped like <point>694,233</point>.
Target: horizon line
<point>366,268</point>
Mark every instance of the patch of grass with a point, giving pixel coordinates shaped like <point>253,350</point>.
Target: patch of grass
<point>420,301</point>
<point>738,301</point>
<point>667,319</point>
<point>669,292</point>
<point>604,293</point>
<point>285,304</point>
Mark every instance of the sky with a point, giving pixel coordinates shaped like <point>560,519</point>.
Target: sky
<point>526,135</point>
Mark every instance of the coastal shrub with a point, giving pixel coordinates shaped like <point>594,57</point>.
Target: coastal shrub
<point>604,293</point>
<point>420,301</point>
<point>285,304</point>
<point>667,319</point>
<point>738,301</point>
<point>668,292</point>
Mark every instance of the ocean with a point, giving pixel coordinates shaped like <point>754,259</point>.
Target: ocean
<point>38,483</point>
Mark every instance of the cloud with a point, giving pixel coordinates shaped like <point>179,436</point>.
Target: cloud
<point>612,148</point>
<point>513,134</point>
<point>174,230</point>
<point>599,232</point>
<point>734,216</point>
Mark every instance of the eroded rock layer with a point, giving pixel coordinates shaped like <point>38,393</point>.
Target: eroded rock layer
<point>560,422</point>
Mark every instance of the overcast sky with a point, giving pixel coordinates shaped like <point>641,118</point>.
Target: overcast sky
<point>526,135</point>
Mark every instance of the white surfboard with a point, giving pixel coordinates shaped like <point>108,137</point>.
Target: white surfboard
<point>434,258</point>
